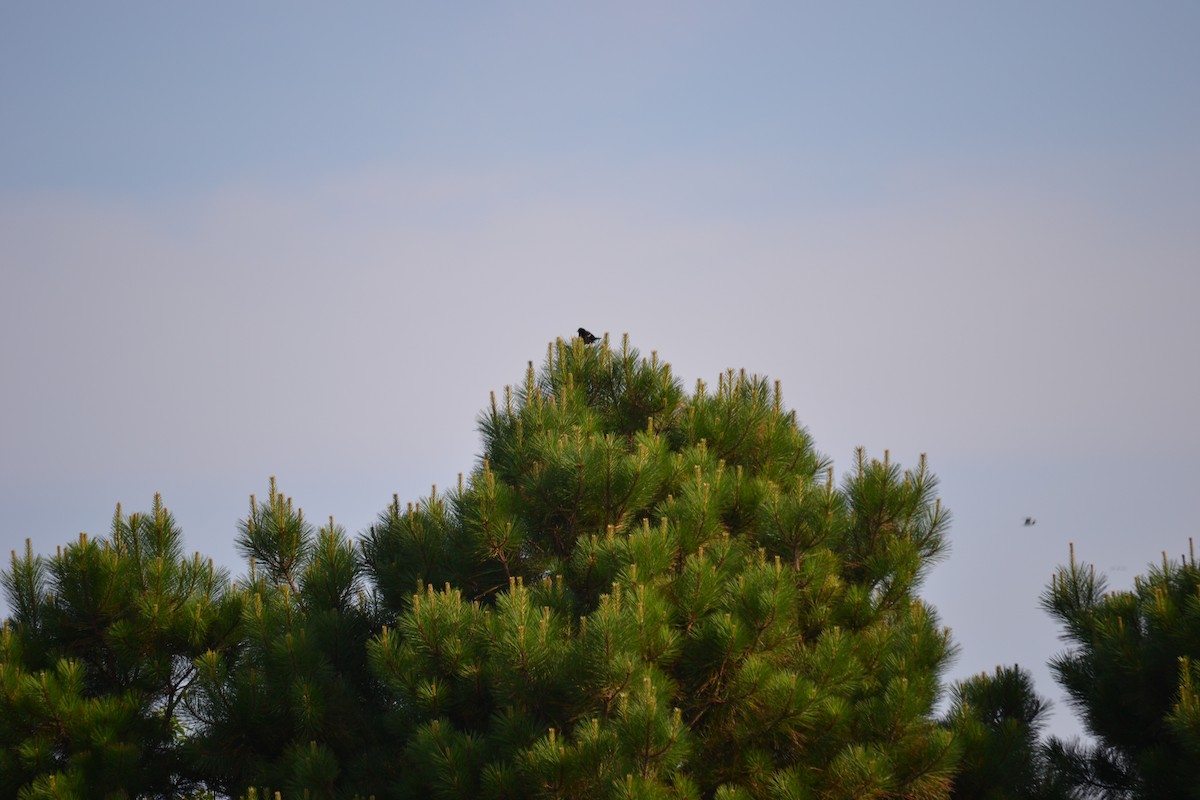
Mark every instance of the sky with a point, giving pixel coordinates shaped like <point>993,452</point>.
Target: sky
<point>240,240</point>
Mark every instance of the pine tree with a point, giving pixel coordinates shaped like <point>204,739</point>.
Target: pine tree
<point>293,706</point>
<point>1133,674</point>
<point>998,720</point>
<point>97,658</point>
<point>642,593</point>
<point>637,592</point>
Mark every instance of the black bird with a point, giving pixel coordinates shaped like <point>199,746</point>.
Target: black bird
<point>587,337</point>
<point>1030,521</point>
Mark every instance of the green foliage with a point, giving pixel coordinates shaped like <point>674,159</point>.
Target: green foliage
<point>655,595</point>
<point>293,704</point>
<point>635,593</point>
<point>998,720</point>
<point>1132,674</point>
<point>97,659</point>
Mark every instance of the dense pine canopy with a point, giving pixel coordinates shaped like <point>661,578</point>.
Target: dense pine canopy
<point>641,592</point>
<point>636,592</point>
<point>1133,673</point>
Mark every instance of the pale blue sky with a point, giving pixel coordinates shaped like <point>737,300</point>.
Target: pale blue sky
<point>239,240</point>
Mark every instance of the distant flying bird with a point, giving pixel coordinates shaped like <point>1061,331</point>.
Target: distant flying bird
<point>587,337</point>
<point>1030,521</point>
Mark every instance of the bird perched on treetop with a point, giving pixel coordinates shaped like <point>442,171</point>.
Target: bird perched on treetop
<point>587,337</point>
